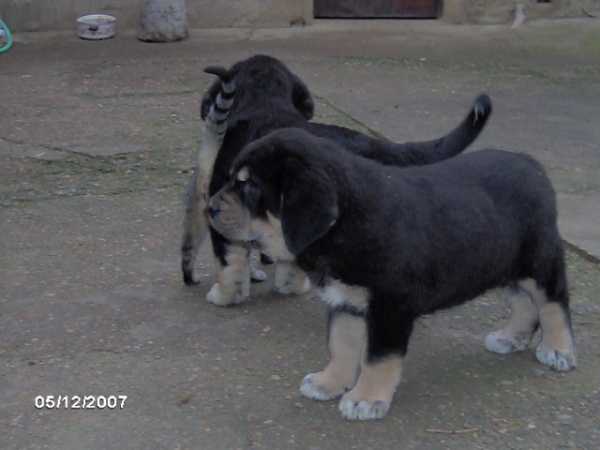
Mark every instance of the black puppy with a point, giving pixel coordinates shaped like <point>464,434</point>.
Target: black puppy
<point>384,245</point>
<point>268,97</point>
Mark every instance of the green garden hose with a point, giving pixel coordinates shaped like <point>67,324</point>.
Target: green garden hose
<point>9,39</point>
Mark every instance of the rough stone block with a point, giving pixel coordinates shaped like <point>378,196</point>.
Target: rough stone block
<point>162,20</point>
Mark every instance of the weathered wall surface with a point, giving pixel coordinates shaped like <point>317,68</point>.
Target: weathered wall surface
<point>45,15</point>
<point>503,11</point>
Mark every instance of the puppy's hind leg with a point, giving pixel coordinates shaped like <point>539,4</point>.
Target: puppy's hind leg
<point>557,347</point>
<point>195,229</point>
<point>523,323</point>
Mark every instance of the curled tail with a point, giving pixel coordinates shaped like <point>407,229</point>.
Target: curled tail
<point>195,224</point>
<point>414,153</point>
<point>464,135</point>
<point>454,142</point>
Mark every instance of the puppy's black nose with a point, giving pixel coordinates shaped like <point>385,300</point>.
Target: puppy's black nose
<point>213,211</point>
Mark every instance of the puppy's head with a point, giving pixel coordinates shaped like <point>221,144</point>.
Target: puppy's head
<point>280,189</point>
<point>264,75</point>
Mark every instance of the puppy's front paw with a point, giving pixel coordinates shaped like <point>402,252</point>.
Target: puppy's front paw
<point>318,386</point>
<point>216,297</point>
<point>362,409</point>
<point>500,342</point>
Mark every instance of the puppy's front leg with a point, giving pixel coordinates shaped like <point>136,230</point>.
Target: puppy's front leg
<point>290,279</point>
<point>233,278</point>
<point>346,340</point>
<point>388,331</point>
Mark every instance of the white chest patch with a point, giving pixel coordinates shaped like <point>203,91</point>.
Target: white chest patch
<point>337,294</point>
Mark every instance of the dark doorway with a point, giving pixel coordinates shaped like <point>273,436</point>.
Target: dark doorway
<point>408,9</point>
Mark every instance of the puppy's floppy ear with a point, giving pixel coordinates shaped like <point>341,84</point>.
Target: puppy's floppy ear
<point>309,209</point>
<point>301,98</point>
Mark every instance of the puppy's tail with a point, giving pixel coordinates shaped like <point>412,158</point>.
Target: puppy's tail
<point>195,224</point>
<point>215,123</point>
<point>456,141</point>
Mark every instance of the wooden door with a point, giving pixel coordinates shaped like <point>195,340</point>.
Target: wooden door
<point>408,9</point>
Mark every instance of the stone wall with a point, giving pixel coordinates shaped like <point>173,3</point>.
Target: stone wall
<point>49,15</point>
<point>45,15</point>
<point>503,11</point>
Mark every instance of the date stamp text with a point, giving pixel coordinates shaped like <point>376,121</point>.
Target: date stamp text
<point>80,402</point>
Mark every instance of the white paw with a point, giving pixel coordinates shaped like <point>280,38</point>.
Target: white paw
<point>559,361</point>
<point>290,288</point>
<point>216,297</point>
<point>362,409</point>
<point>257,275</point>
<point>497,342</point>
<point>312,389</point>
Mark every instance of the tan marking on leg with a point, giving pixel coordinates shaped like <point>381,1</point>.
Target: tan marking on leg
<point>538,296</point>
<point>555,327</point>
<point>553,320</point>
<point>557,347</point>
<point>233,280</point>
<point>521,326</point>
<point>346,341</point>
<point>374,390</point>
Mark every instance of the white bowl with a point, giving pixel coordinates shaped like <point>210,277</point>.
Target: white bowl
<point>96,26</point>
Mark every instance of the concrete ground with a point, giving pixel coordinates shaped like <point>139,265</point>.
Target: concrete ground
<point>96,144</point>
